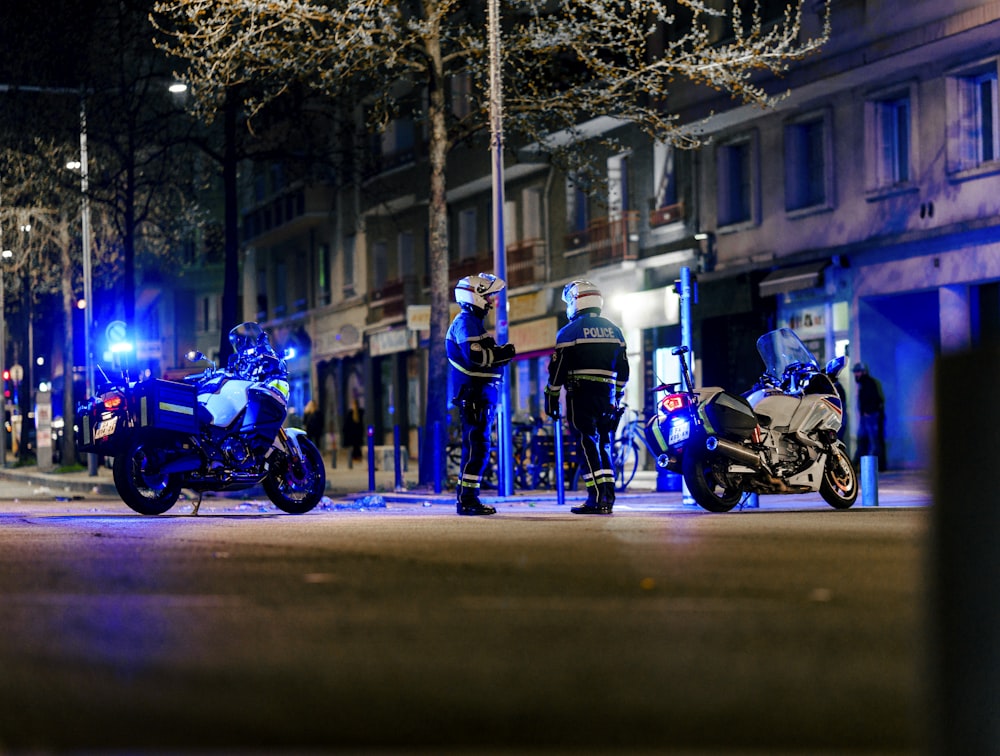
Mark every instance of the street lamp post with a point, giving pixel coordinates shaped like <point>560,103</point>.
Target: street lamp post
<point>4,255</point>
<point>88,305</point>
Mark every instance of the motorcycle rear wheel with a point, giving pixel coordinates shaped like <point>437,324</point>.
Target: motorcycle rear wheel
<point>704,484</point>
<point>839,487</point>
<point>296,486</point>
<point>143,490</point>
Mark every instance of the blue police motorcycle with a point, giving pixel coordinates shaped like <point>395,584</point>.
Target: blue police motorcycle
<point>220,430</point>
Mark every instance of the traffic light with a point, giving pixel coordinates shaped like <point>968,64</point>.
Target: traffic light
<point>6,388</point>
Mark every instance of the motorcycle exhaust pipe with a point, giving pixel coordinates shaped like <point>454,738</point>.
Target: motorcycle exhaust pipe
<point>734,451</point>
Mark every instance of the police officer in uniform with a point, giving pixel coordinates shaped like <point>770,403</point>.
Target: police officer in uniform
<point>590,361</point>
<point>476,369</point>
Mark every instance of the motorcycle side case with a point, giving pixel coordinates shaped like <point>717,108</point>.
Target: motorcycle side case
<point>727,415</point>
<point>167,405</point>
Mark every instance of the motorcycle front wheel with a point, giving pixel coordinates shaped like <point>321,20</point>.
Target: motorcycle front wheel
<point>296,485</point>
<point>839,487</point>
<point>141,486</point>
<point>705,485</point>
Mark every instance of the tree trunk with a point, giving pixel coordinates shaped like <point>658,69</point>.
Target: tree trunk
<point>437,379</point>
<point>231,271</point>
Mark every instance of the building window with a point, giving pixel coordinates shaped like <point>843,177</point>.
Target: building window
<point>577,209</point>
<point>806,164</point>
<point>888,124</point>
<point>975,138</point>
<point>461,95</point>
<point>280,290</point>
<point>407,265</point>
<point>262,312</point>
<point>618,199</point>
<point>467,234</point>
<point>323,281</point>
<point>531,214</point>
<point>380,264</point>
<point>735,185</point>
<point>664,175</point>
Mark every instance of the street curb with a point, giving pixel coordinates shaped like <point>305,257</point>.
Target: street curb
<point>98,484</point>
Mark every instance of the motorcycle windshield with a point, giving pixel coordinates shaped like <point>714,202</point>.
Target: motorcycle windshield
<point>245,336</point>
<point>781,348</point>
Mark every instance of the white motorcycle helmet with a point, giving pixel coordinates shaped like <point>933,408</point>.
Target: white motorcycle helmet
<point>475,291</point>
<point>580,296</point>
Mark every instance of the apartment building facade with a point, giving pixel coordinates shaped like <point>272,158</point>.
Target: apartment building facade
<point>861,210</point>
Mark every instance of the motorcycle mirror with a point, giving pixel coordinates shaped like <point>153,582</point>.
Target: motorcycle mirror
<point>834,366</point>
<point>195,356</point>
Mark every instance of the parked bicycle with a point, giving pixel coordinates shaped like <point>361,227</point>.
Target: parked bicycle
<point>533,458</point>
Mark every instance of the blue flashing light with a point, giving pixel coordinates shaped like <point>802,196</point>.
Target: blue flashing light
<point>121,346</point>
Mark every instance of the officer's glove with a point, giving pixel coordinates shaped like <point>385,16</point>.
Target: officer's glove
<point>552,406</point>
<point>503,354</point>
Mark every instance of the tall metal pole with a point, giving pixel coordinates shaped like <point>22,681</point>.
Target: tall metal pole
<point>504,431</point>
<point>88,308</point>
<point>685,295</point>
<point>3,357</point>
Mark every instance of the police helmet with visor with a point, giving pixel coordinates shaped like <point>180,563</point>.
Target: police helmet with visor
<point>580,296</point>
<point>476,291</point>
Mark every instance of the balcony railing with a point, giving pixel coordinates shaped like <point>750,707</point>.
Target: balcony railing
<point>525,262</point>
<point>470,267</point>
<point>608,240</point>
<point>389,301</point>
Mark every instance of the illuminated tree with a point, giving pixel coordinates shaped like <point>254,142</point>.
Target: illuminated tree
<point>40,219</point>
<point>564,62</point>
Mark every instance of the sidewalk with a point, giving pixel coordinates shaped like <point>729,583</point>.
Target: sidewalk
<point>346,482</point>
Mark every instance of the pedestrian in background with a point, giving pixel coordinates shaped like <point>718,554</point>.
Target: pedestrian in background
<point>871,416</point>
<point>591,362</point>
<point>313,420</point>
<point>476,371</point>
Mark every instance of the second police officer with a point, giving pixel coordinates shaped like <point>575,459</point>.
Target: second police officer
<point>591,361</point>
<point>476,371</point>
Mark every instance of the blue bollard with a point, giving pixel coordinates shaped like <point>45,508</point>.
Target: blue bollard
<point>397,461</point>
<point>557,470</point>
<point>869,481</point>
<point>371,458</point>
<point>437,456</point>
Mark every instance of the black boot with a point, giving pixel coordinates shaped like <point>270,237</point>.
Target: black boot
<point>469,503</point>
<point>596,501</point>
<point>606,495</point>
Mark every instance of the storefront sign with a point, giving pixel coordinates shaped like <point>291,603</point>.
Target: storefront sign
<point>525,306</point>
<point>345,339</point>
<point>389,342</point>
<point>418,317</point>
<point>535,336</point>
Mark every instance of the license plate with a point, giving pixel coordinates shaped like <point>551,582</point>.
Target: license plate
<point>679,432</point>
<point>105,428</point>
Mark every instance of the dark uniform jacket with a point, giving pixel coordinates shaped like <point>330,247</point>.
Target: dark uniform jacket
<point>590,353</point>
<point>476,360</point>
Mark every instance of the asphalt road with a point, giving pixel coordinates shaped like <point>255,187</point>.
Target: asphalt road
<point>409,628</point>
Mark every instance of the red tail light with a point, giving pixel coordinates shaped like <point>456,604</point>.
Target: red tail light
<point>674,402</point>
<point>113,402</point>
